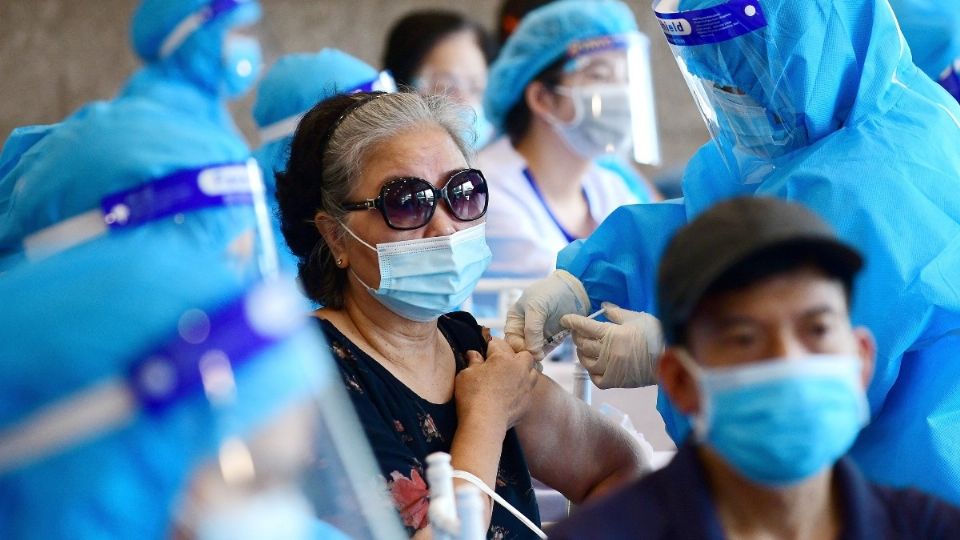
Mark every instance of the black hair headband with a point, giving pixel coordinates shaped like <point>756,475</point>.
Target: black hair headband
<point>343,115</point>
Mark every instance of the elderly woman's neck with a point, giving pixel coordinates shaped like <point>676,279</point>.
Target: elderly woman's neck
<point>402,342</point>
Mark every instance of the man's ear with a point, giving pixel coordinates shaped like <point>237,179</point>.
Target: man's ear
<point>867,351</point>
<point>540,100</point>
<point>329,229</point>
<point>677,382</point>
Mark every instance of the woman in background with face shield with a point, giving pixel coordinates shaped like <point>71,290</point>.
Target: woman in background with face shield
<point>382,208</point>
<point>443,52</point>
<point>566,89</point>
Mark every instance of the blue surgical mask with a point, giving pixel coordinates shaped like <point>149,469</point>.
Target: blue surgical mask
<point>242,63</point>
<point>779,422</point>
<point>422,279</point>
<point>751,126</point>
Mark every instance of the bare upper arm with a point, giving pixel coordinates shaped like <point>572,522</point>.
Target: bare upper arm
<point>572,448</point>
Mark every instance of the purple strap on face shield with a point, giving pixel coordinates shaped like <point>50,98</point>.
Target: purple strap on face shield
<point>214,347</point>
<point>712,25</point>
<point>219,7</point>
<point>600,44</point>
<point>951,80</point>
<point>183,191</point>
<point>383,83</point>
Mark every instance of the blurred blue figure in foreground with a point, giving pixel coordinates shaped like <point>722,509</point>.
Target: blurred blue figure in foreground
<point>145,399</point>
<point>289,89</point>
<point>932,28</point>
<point>816,102</point>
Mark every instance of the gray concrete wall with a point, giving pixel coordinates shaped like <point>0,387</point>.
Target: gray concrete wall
<point>56,55</point>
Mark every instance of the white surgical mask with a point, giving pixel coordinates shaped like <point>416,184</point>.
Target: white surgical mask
<point>601,123</point>
<point>424,278</point>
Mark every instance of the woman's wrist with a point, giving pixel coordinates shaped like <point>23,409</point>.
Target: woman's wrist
<point>482,419</point>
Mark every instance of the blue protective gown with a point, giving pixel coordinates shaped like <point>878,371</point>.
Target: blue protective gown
<point>882,166</point>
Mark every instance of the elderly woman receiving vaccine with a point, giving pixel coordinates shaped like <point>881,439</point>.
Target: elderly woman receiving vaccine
<point>386,215</point>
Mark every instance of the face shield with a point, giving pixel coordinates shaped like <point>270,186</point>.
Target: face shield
<point>609,82</point>
<point>731,67</point>
<point>221,206</point>
<point>237,424</point>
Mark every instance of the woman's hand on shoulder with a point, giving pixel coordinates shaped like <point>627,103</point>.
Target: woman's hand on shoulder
<point>498,388</point>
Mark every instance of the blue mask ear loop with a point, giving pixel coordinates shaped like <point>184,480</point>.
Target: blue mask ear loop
<point>701,420</point>
<point>368,246</point>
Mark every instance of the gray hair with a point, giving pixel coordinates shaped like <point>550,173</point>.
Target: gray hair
<point>353,134</point>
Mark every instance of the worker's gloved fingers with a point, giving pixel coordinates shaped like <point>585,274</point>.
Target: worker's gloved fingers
<point>533,338</point>
<point>592,364</point>
<point>602,381</point>
<point>619,315</point>
<point>583,326</point>
<point>587,346</point>
<point>513,329</point>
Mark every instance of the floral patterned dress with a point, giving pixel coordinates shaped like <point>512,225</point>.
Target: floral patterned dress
<point>403,429</point>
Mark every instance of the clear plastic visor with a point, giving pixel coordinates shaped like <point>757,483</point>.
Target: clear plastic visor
<point>609,81</point>
<point>732,70</point>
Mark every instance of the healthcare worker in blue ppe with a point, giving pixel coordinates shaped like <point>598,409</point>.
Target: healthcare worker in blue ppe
<point>146,400</point>
<point>196,58</point>
<point>571,85</point>
<point>817,102</point>
<point>932,28</point>
<point>289,89</point>
<point>170,119</point>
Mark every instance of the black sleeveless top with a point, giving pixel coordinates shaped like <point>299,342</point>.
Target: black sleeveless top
<point>403,429</point>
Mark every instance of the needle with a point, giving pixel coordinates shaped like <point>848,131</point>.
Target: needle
<point>561,335</point>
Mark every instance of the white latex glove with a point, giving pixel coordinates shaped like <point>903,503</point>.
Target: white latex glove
<point>622,353</point>
<point>536,315</point>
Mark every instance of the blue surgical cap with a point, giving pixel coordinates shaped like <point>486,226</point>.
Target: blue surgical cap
<point>86,317</point>
<point>541,39</point>
<point>299,81</point>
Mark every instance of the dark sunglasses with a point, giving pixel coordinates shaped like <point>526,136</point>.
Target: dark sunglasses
<point>409,202</point>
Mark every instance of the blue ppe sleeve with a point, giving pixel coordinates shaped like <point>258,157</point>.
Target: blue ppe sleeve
<point>618,262</point>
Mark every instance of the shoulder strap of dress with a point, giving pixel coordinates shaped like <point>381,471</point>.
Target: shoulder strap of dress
<point>464,334</point>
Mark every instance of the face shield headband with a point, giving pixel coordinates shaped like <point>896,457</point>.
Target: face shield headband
<point>731,67</point>
<point>203,357</point>
<point>168,197</point>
